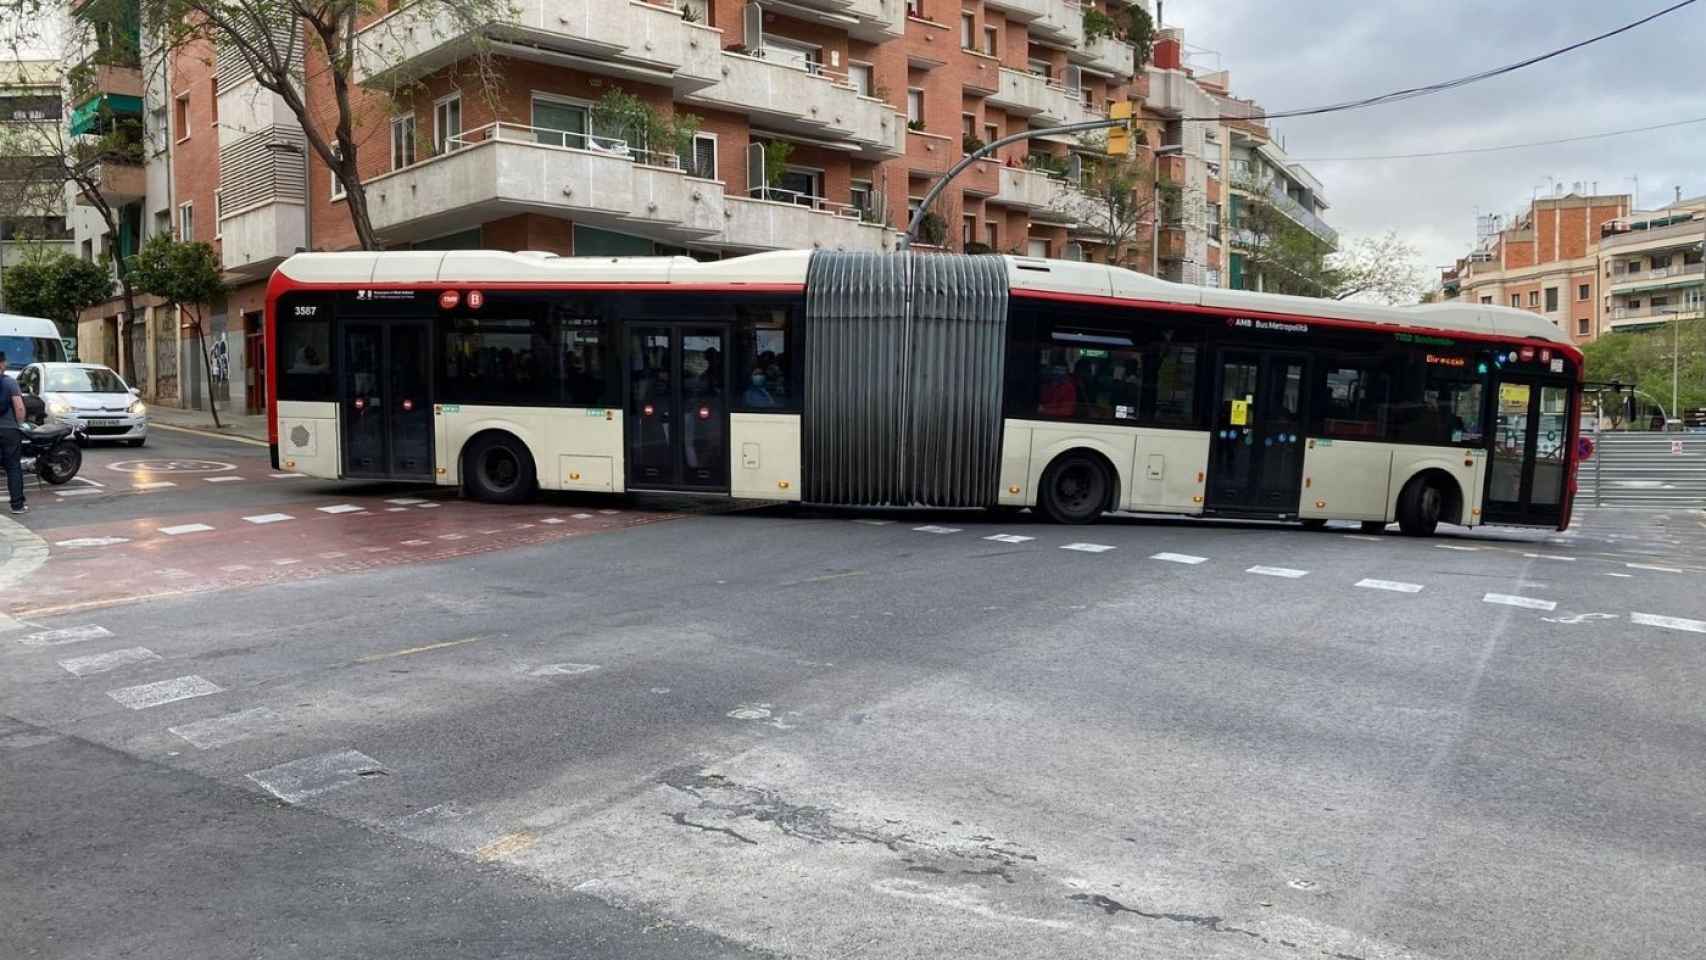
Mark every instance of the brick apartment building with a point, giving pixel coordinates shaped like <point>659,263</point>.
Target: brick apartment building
<point>874,100</point>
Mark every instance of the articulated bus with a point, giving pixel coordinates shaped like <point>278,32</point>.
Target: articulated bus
<point>916,380</point>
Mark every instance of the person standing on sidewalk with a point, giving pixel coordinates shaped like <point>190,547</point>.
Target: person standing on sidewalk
<point>12,437</point>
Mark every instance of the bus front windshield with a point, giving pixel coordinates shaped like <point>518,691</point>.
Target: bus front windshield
<point>21,351</point>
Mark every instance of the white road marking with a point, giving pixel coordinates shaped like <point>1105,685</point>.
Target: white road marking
<point>453,536</point>
<point>1669,623</point>
<point>582,516</point>
<point>1177,558</point>
<point>222,479</point>
<point>1652,566</point>
<point>405,501</point>
<point>53,638</point>
<point>562,669</point>
<point>430,506</point>
<point>92,483</point>
<point>395,509</point>
<point>377,549</point>
<point>333,555</point>
<point>1624,576</point>
<point>184,528</point>
<point>341,508</point>
<point>1358,536</point>
<point>524,526</point>
<point>416,543</point>
<point>1580,618</point>
<point>552,520</point>
<point>932,528</point>
<point>79,492</point>
<point>298,780</point>
<point>1087,547</point>
<point>1009,538</point>
<point>288,476</point>
<point>146,695</point>
<point>1286,572</point>
<point>221,731</point>
<point>262,518</point>
<point>153,485</point>
<point>111,660</point>
<point>92,542</point>
<point>285,563</point>
<point>235,568</point>
<point>1396,586</point>
<point>1549,556</point>
<point>1453,546</point>
<point>487,533</point>
<point>1527,603</point>
<point>874,523</point>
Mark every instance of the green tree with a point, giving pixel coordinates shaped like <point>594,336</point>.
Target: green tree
<point>1117,201</point>
<point>1644,359</point>
<point>57,286</point>
<point>186,276</point>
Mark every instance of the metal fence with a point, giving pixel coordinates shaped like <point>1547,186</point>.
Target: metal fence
<point>1646,470</point>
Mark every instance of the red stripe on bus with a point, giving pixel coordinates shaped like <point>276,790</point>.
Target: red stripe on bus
<point>1109,301</point>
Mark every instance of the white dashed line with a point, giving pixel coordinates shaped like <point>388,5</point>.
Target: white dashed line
<point>153,485</point>
<point>396,509</point>
<point>932,528</point>
<point>288,476</point>
<point>92,542</point>
<point>376,549</point>
<point>416,543</point>
<point>453,536</point>
<point>429,506</point>
<point>1177,558</point>
<point>1669,623</point>
<point>341,508</point>
<point>1010,538</point>
<point>53,638</point>
<point>184,528</point>
<point>552,520</point>
<point>298,780</point>
<point>1453,546</point>
<point>92,483</point>
<point>1396,586</point>
<point>1652,566</point>
<point>146,695</point>
<point>333,555</point>
<point>1623,576</point>
<point>222,479</point>
<point>111,660</point>
<point>1358,536</point>
<point>235,568</point>
<point>405,501</point>
<point>873,523</point>
<point>285,563</point>
<point>263,518</point>
<point>1286,572</point>
<point>78,492</point>
<point>1527,603</point>
<point>1549,556</point>
<point>221,731</point>
<point>581,516</point>
<point>1087,547</point>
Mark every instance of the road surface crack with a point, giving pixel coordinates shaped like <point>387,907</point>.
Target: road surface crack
<point>681,820</point>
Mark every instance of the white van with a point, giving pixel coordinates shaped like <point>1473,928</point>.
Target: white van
<point>27,340</point>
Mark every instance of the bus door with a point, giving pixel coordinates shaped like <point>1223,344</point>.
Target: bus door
<point>385,399</point>
<point>1256,448</point>
<point>677,429</point>
<point>1529,464</point>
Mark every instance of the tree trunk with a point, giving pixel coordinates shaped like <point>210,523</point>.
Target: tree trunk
<point>207,367</point>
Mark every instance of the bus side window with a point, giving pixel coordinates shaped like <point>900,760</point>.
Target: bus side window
<point>764,359</point>
<point>304,359</point>
<point>1355,400</point>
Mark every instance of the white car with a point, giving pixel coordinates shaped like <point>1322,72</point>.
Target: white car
<point>89,396</point>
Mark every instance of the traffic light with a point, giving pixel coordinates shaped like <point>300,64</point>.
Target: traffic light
<point>1119,138</point>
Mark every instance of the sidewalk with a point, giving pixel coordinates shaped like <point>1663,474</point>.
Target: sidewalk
<point>235,424</point>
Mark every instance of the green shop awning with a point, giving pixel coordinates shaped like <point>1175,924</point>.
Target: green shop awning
<point>87,116</point>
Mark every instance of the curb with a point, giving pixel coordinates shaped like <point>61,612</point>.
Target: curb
<point>27,553</point>
<point>234,438</point>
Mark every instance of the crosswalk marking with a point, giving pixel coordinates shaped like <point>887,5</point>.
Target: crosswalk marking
<point>1087,547</point>
<point>1453,546</point>
<point>184,528</point>
<point>228,729</point>
<point>581,516</point>
<point>78,492</point>
<point>264,518</point>
<point>932,528</point>
<point>145,695</point>
<point>1669,623</point>
<point>1396,586</point>
<point>297,780</point>
<point>1177,558</point>
<point>1286,572</point>
<point>1527,603</point>
<point>53,638</point>
<point>1010,538</point>
<point>405,501</point>
<point>222,479</point>
<point>288,476</point>
<point>1549,556</point>
<point>552,520</point>
<point>873,523</point>
<point>153,485</point>
<point>1652,566</point>
<point>111,660</point>
<point>341,508</point>
<point>1358,536</point>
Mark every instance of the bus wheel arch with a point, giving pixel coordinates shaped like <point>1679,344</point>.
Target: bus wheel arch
<point>497,467</point>
<point>1429,497</point>
<point>1078,485</point>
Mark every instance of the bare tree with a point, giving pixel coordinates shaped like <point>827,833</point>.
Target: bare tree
<point>1385,269</point>
<point>1117,202</point>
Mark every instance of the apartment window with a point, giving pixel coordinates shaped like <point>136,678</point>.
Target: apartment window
<point>337,188</point>
<point>1659,263</point>
<point>213,101</point>
<point>915,8</point>
<point>88,250</point>
<point>968,31</point>
<point>968,125</point>
<point>703,160</point>
<point>402,141</point>
<point>968,230</point>
<point>792,53</point>
<point>1516,300</point>
<point>1040,68</point>
<point>447,124</point>
<point>991,41</point>
<point>1658,302</point>
<point>186,221</point>
<point>861,196</point>
<point>1551,299</point>
<point>914,107</point>
<point>1487,300</point>
<point>218,213</point>
<point>1534,298</point>
<point>991,133</point>
<point>992,234</point>
<point>1581,326</point>
<point>859,74</point>
<point>1037,247</point>
<point>804,185</point>
<point>1582,293</point>
<point>181,116</point>
<point>162,223</point>
<point>560,123</point>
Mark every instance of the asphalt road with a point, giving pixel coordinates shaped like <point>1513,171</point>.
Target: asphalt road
<point>813,734</point>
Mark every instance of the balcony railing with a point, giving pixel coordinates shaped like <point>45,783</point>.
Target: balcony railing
<point>1302,216</point>
<point>567,139</point>
<point>1662,277</point>
<point>804,98</point>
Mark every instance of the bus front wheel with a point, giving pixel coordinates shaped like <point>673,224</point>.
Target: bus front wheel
<point>498,469</point>
<point>1419,508</point>
<point>1075,489</point>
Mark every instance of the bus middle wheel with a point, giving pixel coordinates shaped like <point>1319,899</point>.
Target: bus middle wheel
<point>1419,508</point>
<point>498,469</point>
<point>1075,489</point>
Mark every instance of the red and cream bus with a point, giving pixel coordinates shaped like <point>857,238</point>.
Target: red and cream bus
<point>932,380</point>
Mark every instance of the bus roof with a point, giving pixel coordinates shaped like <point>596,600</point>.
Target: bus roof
<point>788,268</point>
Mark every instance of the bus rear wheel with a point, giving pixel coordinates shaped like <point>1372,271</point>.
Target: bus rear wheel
<point>498,469</point>
<point>1419,508</point>
<point>1075,489</point>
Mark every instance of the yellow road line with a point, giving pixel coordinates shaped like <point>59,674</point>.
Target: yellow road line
<point>95,604</point>
<point>413,650</point>
<point>507,845</point>
<point>208,433</point>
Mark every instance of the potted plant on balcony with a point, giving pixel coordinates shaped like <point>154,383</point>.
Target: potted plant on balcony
<point>971,144</point>
<point>650,135</point>
<point>1097,25</point>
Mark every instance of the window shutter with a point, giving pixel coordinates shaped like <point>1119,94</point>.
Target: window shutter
<point>755,170</point>
<point>752,19</point>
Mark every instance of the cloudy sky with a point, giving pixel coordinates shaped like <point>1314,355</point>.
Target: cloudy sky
<point>1290,53</point>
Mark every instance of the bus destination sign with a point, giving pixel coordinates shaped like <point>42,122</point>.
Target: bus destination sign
<point>1446,360</point>
<point>1275,326</point>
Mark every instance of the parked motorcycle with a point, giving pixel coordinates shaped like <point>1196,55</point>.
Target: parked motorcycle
<point>53,452</point>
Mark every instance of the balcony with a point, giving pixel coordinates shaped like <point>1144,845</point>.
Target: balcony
<point>1024,11</point>
<point>1032,190</point>
<point>1109,55</point>
<point>124,80</point>
<point>621,38</point>
<point>1061,24</point>
<point>874,21</point>
<point>1631,281</point>
<point>118,180</point>
<point>1626,318</point>
<point>1170,242</point>
<point>503,169</point>
<point>1047,103</point>
<point>1302,216</point>
<point>811,102</point>
<point>255,240</point>
<point>782,220</point>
